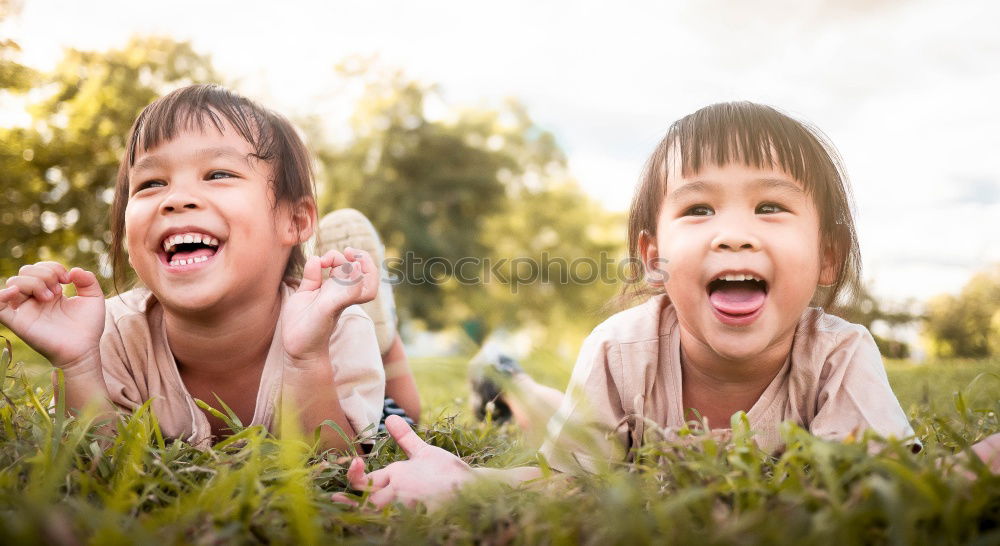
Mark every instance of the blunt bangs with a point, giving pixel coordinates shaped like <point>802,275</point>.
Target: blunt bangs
<point>201,107</point>
<point>757,136</point>
<point>198,107</point>
<point>761,137</point>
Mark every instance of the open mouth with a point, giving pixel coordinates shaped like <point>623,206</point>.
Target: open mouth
<point>190,248</point>
<point>737,296</point>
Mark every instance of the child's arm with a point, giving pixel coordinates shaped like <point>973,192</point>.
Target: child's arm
<point>431,474</point>
<point>399,382</point>
<point>66,331</point>
<point>310,316</point>
<point>855,394</point>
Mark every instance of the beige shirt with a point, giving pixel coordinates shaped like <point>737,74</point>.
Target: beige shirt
<point>138,365</point>
<point>628,376</point>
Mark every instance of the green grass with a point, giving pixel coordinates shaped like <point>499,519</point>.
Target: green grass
<point>934,385</point>
<point>59,483</point>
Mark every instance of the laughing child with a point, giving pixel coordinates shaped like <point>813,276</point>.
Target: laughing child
<point>742,224</point>
<point>213,199</point>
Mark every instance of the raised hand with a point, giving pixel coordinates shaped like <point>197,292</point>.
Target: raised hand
<point>431,474</point>
<point>311,313</point>
<point>62,329</point>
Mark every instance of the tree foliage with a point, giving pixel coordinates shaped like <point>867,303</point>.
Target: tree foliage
<point>14,76</point>
<point>58,172</point>
<point>867,310</point>
<point>967,325</point>
<point>469,192</point>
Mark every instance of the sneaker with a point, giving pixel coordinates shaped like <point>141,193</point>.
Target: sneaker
<point>487,372</point>
<point>390,407</point>
<point>344,228</point>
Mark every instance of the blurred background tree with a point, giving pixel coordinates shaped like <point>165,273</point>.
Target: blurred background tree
<point>14,77</point>
<point>867,310</point>
<point>438,182</point>
<point>485,183</point>
<point>480,183</point>
<point>59,170</point>
<point>966,325</point>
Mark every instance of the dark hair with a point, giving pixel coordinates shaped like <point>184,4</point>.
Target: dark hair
<point>271,136</point>
<point>756,136</point>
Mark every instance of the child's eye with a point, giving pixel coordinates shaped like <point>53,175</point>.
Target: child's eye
<point>148,184</point>
<point>769,208</point>
<point>218,175</point>
<point>699,210</point>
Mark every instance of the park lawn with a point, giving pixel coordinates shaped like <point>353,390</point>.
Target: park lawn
<point>932,386</point>
<point>60,484</point>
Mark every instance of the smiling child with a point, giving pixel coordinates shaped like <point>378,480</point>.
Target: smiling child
<point>742,224</point>
<point>214,197</point>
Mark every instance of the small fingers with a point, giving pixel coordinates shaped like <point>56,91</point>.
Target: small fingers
<point>364,273</point>
<point>57,268</point>
<point>11,297</point>
<point>404,436</point>
<point>360,481</point>
<point>341,269</point>
<point>345,273</point>
<point>379,479</point>
<point>6,307</point>
<point>342,498</point>
<point>379,499</point>
<point>30,286</point>
<point>311,274</point>
<point>85,282</point>
<point>383,497</point>
<point>356,474</point>
<point>333,258</point>
<point>361,257</point>
<point>8,293</point>
<point>50,273</point>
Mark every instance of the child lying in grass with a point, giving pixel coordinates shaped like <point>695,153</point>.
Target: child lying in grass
<point>213,199</point>
<point>741,222</point>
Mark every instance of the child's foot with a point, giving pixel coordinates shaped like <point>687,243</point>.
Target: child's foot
<point>487,372</point>
<point>349,228</point>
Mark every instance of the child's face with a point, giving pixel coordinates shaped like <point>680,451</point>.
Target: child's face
<point>206,185</point>
<point>736,220</point>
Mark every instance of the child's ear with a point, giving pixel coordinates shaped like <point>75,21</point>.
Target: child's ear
<point>302,222</point>
<point>652,263</point>
<point>834,248</point>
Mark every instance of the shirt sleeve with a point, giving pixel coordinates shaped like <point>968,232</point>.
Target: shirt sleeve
<point>855,394</point>
<point>123,388</point>
<point>357,369</point>
<point>587,431</point>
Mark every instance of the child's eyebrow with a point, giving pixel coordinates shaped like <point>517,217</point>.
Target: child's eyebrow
<point>147,162</point>
<point>221,152</point>
<point>224,152</point>
<point>698,186</point>
<point>778,184</point>
<point>701,186</point>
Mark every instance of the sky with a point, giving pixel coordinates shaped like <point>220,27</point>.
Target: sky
<point>906,90</point>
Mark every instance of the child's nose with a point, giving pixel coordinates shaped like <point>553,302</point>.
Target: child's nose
<point>733,239</point>
<point>178,201</point>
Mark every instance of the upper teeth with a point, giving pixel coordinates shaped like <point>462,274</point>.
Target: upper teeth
<point>172,241</point>
<point>738,277</point>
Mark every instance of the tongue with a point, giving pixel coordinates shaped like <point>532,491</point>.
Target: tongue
<point>188,254</point>
<point>738,298</point>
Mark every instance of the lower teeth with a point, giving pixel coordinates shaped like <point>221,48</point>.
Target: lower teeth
<point>189,261</point>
